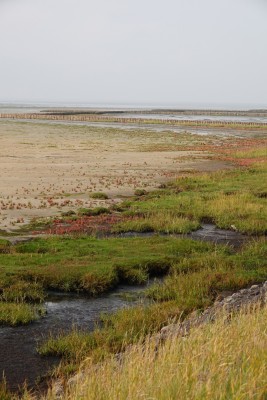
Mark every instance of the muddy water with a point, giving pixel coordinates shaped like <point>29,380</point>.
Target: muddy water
<point>20,362</point>
<point>210,233</point>
<point>207,233</point>
<point>223,132</point>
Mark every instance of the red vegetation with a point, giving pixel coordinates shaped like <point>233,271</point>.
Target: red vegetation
<point>100,223</point>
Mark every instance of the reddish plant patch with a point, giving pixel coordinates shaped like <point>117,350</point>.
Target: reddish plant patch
<point>226,151</point>
<point>85,224</point>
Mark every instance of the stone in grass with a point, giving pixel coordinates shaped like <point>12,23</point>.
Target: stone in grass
<point>99,196</point>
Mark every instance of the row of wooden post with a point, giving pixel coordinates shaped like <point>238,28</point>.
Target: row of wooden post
<point>95,118</point>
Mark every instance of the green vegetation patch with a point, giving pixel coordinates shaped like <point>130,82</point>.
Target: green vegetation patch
<point>157,222</point>
<point>22,292</point>
<point>18,313</point>
<point>92,265</point>
<point>231,199</point>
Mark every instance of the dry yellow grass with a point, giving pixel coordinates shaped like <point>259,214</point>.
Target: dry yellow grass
<point>217,361</point>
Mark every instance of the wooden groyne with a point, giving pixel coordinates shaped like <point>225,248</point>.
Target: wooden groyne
<point>127,120</point>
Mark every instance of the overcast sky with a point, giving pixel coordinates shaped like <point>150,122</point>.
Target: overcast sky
<point>154,52</point>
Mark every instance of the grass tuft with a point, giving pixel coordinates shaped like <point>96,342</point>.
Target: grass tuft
<point>99,196</point>
<point>18,313</point>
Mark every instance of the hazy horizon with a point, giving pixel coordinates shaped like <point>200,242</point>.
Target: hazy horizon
<point>177,54</point>
<point>187,106</point>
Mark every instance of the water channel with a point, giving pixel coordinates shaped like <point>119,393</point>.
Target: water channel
<point>19,360</point>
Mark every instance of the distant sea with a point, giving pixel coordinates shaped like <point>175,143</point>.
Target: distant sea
<point>24,107</point>
<point>35,106</point>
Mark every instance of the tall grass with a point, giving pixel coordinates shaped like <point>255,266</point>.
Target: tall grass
<point>220,361</point>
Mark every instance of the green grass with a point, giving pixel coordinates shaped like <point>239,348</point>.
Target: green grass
<point>89,264</point>
<point>155,222</point>
<point>231,199</point>
<point>196,272</point>
<point>21,292</point>
<point>195,282</point>
<point>18,301</point>
<point>82,264</point>
<point>18,313</point>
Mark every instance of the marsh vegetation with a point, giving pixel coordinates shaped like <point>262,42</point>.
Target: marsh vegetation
<point>94,262</point>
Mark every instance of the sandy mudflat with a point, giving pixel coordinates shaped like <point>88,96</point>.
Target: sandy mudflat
<point>48,168</point>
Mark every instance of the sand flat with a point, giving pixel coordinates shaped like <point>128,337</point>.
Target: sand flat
<point>48,168</point>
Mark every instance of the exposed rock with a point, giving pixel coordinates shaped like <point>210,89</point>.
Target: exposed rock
<point>241,299</point>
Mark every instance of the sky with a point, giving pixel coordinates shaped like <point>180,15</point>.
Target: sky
<point>134,52</point>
